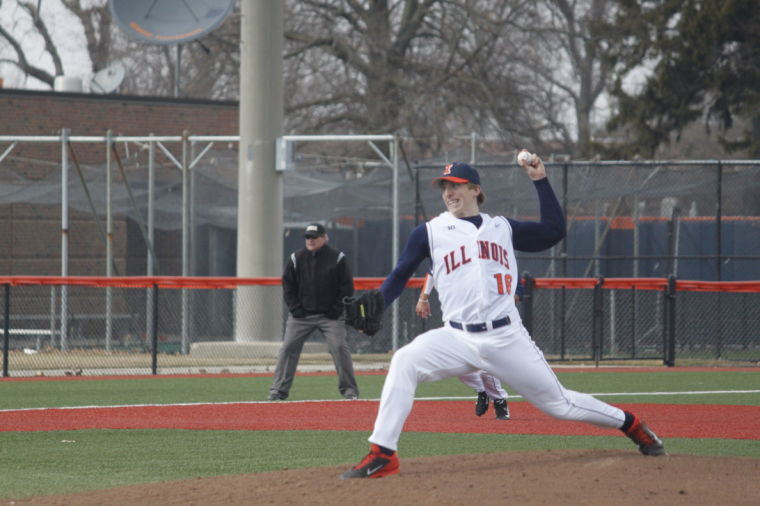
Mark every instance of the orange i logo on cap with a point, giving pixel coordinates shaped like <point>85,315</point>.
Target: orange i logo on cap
<point>447,170</point>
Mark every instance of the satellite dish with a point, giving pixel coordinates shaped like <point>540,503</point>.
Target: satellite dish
<point>169,21</point>
<point>108,79</point>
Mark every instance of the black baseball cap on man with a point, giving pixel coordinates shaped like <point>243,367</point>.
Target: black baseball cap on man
<point>458,172</point>
<point>314,230</point>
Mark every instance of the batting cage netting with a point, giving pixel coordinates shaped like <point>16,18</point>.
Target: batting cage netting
<point>167,206</point>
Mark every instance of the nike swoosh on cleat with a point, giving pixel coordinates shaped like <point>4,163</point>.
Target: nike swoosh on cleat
<point>373,470</point>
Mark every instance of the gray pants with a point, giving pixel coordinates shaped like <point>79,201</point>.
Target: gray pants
<point>296,332</point>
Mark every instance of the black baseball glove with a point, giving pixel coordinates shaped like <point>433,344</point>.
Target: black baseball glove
<point>365,312</point>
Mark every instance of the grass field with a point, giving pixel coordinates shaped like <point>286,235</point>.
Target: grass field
<point>52,462</point>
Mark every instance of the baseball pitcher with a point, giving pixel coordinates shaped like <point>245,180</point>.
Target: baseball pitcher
<point>472,258</point>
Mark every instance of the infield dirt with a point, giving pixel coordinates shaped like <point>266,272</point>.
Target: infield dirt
<point>587,477</point>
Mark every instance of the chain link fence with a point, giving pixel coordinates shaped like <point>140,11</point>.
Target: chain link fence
<point>570,320</point>
<point>569,324</point>
<point>113,330</point>
<point>171,205</point>
<point>167,206</point>
<point>695,220</point>
<point>621,319</point>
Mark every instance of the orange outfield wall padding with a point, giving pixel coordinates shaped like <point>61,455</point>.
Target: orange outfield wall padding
<point>211,283</point>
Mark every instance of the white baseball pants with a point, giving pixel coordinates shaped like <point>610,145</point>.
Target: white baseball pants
<point>508,353</point>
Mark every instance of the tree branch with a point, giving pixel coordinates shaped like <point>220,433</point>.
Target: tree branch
<point>43,31</point>
<point>23,64</point>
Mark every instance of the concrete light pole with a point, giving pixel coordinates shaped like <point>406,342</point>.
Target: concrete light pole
<point>260,222</point>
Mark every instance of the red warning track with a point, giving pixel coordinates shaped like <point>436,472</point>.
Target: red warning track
<point>675,420</point>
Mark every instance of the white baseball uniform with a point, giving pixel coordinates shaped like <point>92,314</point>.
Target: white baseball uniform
<point>480,381</point>
<point>475,272</point>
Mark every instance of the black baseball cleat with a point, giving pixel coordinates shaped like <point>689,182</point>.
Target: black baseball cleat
<point>645,438</point>
<point>501,408</point>
<point>481,405</point>
<point>277,396</point>
<point>375,465</point>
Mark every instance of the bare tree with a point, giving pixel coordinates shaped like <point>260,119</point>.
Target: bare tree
<point>527,71</point>
<point>569,57</point>
<point>530,72</point>
<point>98,30</point>
<point>414,66</point>
<point>29,14</point>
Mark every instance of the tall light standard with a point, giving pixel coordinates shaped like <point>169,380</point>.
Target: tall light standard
<point>259,234</point>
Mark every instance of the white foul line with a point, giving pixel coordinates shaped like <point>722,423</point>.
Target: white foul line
<point>601,394</point>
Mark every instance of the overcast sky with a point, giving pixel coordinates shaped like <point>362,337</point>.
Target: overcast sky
<point>66,31</point>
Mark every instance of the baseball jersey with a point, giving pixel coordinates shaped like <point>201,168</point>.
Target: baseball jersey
<point>473,268</point>
<point>526,236</point>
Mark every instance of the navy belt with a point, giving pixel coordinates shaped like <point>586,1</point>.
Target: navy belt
<point>480,327</point>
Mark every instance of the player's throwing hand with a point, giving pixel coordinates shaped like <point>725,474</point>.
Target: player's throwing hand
<point>532,164</point>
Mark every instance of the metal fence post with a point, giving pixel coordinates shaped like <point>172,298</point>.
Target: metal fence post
<point>562,323</point>
<point>669,338</point>
<point>719,330</point>
<point>719,223</point>
<point>109,240</point>
<point>151,266</point>
<point>527,301</point>
<point>64,336</point>
<point>154,332</point>
<point>186,236</point>
<point>6,328</point>
<point>634,304</point>
<point>598,321</point>
<point>672,241</point>
<point>565,203</point>
<point>563,255</point>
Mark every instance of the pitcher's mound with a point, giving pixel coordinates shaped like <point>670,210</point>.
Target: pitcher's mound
<point>541,477</point>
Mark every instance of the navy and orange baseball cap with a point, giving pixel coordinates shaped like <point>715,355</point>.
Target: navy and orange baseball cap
<point>458,172</point>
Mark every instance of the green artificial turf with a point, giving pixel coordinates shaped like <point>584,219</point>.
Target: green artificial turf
<point>53,462</point>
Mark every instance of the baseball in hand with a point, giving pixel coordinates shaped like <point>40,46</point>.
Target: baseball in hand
<point>525,156</point>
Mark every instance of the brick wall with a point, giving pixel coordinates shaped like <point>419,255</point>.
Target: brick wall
<point>45,113</point>
<point>32,233</point>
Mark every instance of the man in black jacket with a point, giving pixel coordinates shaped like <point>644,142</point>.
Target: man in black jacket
<point>315,280</point>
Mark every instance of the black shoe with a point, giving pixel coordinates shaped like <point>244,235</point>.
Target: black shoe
<point>277,396</point>
<point>501,408</point>
<point>481,405</point>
